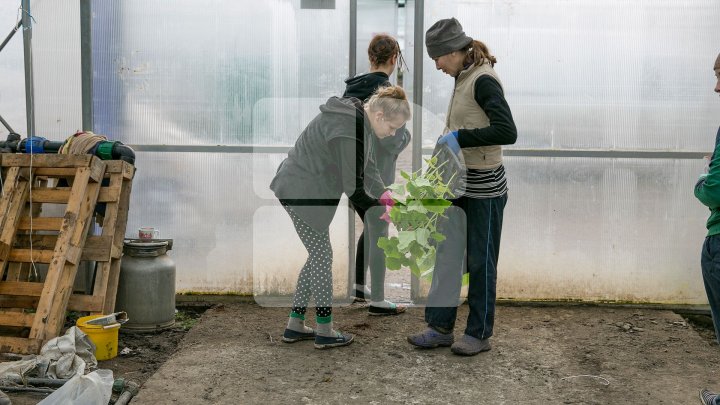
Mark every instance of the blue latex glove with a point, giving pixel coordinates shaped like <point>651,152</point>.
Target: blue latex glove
<point>451,140</point>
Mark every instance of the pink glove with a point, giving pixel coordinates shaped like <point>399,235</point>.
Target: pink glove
<point>386,216</point>
<point>386,199</point>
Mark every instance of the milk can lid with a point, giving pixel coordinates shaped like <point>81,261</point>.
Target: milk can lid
<point>149,243</point>
<point>146,248</point>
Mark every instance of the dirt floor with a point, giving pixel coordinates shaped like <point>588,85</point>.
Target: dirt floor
<point>547,355</point>
<point>146,352</point>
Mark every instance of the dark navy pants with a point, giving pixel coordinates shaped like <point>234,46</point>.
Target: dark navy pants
<point>710,261</point>
<point>473,230</point>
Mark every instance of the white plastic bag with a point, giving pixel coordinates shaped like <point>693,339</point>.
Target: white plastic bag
<point>91,389</point>
<point>68,355</point>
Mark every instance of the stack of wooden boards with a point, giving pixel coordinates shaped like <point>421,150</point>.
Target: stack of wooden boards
<point>82,188</point>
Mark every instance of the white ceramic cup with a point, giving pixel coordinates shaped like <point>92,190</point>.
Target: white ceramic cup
<point>148,232</point>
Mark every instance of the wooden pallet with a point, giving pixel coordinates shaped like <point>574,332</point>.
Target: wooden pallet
<point>105,250</point>
<point>36,308</point>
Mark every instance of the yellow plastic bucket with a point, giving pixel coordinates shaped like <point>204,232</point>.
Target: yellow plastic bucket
<point>105,338</point>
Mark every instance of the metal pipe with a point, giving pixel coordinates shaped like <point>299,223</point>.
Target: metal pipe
<point>17,27</point>
<point>419,43</point>
<point>86,64</point>
<point>29,83</point>
<point>131,389</point>
<point>352,69</point>
<point>527,152</point>
<point>28,389</point>
<point>419,24</point>
<point>353,39</point>
<point>6,125</point>
<point>34,381</point>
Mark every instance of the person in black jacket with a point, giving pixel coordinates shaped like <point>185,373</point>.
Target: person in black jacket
<point>332,156</point>
<point>384,55</point>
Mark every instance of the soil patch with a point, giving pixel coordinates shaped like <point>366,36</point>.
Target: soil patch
<point>145,353</point>
<point>553,355</point>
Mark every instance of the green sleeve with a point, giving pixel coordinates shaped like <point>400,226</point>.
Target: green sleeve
<point>707,189</point>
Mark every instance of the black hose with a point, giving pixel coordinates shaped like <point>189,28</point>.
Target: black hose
<point>48,146</point>
<point>123,152</point>
<point>14,144</point>
<point>28,389</point>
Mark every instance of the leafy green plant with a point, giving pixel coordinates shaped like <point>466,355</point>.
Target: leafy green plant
<point>419,203</point>
<point>186,319</point>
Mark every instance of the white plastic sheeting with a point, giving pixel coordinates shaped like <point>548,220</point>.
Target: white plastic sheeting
<point>577,74</point>
<point>594,74</point>
<point>179,73</point>
<point>602,229</point>
<point>56,69</point>
<point>12,85</point>
<point>597,75</point>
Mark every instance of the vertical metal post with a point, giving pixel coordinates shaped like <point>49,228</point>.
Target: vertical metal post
<point>86,64</point>
<point>29,87</point>
<point>86,270</point>
<point>352,62</point>
<point>418,52</point>
<point>353,38</point>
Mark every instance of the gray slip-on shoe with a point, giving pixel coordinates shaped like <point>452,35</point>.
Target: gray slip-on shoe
<point>470,346</point>
<point>430,338</point>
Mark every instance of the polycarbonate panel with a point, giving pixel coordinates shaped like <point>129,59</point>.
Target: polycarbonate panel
<point>56,68</point>
<point>615,230</point>
<point>627,230</point>
<point>182,72</point>
<point>268,129</point>
<point>374,17</point>
<point>12,87</point>
<point>594,74</point>
<point>203,202</point>
<point>406,16</point>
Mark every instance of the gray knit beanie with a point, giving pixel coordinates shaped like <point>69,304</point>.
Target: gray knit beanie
<point>445,36</point>
<point>717,63</point>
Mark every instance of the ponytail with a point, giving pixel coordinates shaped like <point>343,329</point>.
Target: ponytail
<point>477,52</point>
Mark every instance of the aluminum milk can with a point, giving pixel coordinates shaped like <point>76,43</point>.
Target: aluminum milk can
<point>146,289</point>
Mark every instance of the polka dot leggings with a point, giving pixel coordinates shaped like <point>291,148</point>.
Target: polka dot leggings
<point>316,275</point>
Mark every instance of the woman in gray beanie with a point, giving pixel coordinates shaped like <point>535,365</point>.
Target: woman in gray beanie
<point>707,190</point>
<point>478,122</point>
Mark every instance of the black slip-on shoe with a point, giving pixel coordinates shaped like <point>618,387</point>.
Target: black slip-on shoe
<point>328,342</point>
<point>291,336</point>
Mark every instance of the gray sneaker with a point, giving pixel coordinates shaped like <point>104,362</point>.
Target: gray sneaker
<point>470,346</point>
<point>430,338</point>
<point>708,397</point>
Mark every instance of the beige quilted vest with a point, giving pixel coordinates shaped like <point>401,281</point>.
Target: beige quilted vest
<point>464,112</point>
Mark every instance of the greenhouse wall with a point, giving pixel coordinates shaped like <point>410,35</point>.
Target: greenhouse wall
<point>211,96</point>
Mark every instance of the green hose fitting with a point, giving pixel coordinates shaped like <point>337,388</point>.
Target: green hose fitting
<point>104,149</point>
<point>118,385</point>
